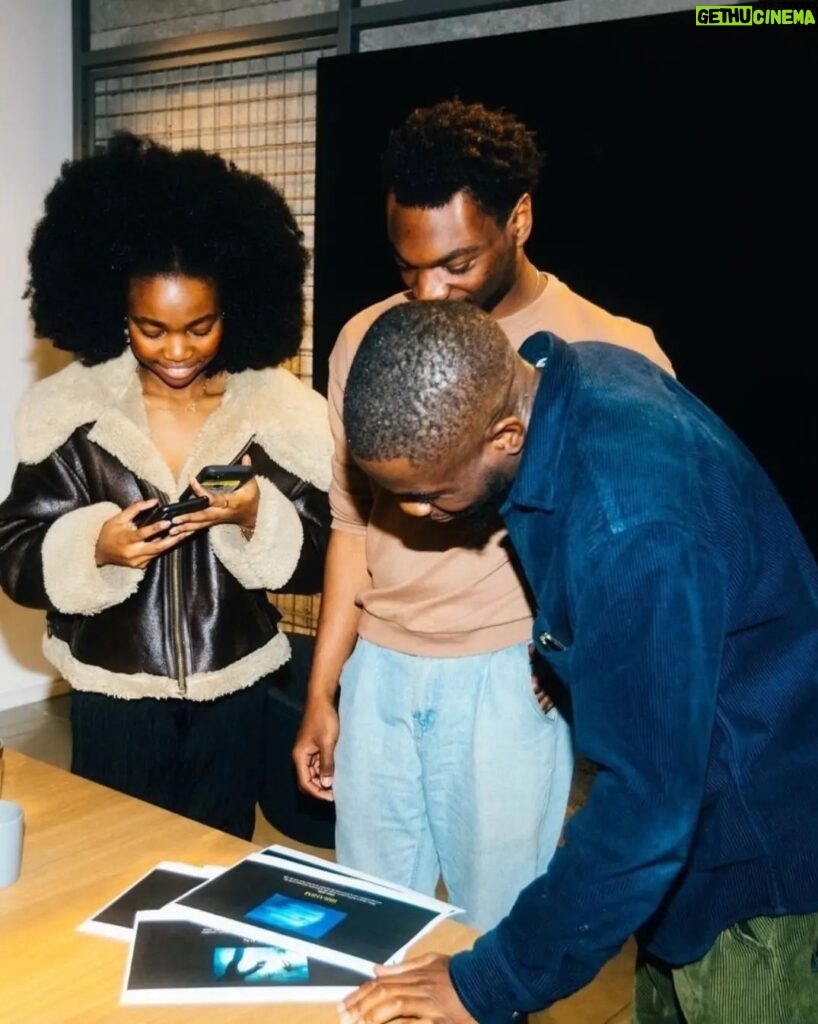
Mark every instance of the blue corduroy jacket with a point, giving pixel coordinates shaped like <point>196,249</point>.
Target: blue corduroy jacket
<point>678,602</point>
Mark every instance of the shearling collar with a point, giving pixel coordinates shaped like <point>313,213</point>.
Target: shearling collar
<point>288,419</point>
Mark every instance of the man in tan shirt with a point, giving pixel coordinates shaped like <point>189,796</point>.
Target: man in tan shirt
<point>450,761</point>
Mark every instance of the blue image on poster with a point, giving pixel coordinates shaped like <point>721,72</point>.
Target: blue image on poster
<point>295,916</point>
<point>261,965</point>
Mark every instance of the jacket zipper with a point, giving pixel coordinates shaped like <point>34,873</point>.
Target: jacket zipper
<point>176,615</point>
<point>175,603</point>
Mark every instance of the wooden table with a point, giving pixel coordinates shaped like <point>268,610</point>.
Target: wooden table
<point>83,845</point>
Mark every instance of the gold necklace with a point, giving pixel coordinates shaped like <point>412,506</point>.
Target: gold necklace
<point>192,404</point>
<point>209,387</point>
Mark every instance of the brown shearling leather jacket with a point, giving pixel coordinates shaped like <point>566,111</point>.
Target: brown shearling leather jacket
<point>197,622</point>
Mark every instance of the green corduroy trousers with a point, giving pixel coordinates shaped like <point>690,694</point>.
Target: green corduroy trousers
<point>761,971</point>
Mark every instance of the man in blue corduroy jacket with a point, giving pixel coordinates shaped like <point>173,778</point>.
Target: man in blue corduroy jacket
<point>677,603</point>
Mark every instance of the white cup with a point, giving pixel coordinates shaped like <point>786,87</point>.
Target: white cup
<point>11,841</point>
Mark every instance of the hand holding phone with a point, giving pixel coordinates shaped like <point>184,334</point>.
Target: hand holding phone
<point>232,494</point>
<point>168,510</point>
<point>224,479</point>
<point>133,538</point>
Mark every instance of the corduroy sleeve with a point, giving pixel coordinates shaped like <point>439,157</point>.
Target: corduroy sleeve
<point>350,493</point>
<point>649,607</point>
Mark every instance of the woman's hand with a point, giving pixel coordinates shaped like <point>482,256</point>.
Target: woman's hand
<point>239,507</point>
<point>122,542</point>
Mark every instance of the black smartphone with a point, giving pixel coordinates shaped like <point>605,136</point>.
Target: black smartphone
<point>169,510</point>
<point>224,479</point>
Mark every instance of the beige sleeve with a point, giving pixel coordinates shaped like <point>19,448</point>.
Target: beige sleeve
<point>350,494</point>
<point>578,319</point>
<point>642,340</point>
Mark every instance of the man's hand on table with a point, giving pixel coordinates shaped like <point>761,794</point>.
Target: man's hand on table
<point>418,990</point>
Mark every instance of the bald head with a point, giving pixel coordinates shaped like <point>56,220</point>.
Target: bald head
<point>426,381</point>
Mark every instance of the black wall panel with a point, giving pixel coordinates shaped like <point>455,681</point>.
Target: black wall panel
<point>679,189</point>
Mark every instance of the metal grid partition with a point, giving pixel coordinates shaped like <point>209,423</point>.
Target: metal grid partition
<point>258,112</point>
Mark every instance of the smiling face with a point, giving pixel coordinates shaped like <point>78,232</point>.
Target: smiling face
<point>175,326</point>
<point>458,251</point>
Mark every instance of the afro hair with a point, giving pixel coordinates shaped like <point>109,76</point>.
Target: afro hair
<point>139,209</point>
<point>455,146</point>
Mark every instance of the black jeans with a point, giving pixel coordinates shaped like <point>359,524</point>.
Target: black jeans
<point>202,759</point>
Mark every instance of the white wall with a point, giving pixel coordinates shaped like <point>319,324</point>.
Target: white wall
<point>35,137</point>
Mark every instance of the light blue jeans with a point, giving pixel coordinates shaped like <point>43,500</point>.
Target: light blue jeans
<point>447,767</point>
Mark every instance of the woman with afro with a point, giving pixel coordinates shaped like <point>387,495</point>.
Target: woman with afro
<point>177,281</point>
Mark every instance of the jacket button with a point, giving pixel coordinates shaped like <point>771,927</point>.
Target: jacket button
<point>550,642</point>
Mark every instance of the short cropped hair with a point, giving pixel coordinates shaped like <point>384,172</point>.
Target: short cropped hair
<point>139,209</point>
<point>426,378</point>
<point>455,146</point>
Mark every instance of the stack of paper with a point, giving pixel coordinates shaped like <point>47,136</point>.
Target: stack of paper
<point>278,926</point>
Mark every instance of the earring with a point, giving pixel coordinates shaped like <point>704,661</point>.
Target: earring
<point>126,332</point>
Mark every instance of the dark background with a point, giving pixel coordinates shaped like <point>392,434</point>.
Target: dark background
<point>679,190</point>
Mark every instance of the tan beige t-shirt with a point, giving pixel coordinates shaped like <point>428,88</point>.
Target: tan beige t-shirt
<point>429,595</point>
